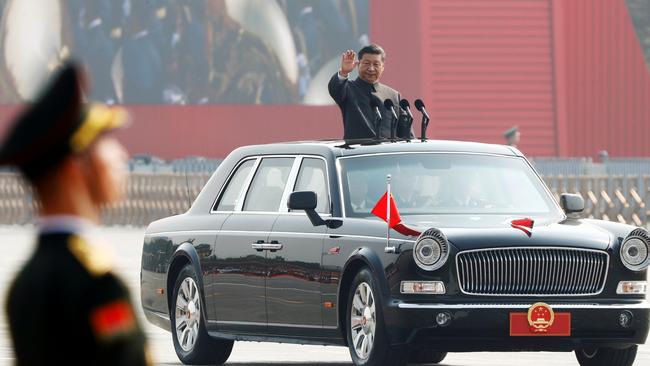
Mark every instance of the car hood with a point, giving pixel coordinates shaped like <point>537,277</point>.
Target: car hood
<point>499,233</point>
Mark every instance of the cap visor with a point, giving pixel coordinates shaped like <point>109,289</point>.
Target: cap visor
<point>99,119</point>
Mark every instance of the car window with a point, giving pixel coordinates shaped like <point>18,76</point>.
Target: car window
<point>313,177</point>
<point>228,200</point>
<point>268,185</point>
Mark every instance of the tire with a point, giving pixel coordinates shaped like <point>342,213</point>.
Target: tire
<point>607,356</point>
<point>426,356</point>
<point>365,323</point>
<point>192,343</point>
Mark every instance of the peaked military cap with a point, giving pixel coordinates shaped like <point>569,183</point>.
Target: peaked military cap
<point>511,131</point>
<point>57,124</point>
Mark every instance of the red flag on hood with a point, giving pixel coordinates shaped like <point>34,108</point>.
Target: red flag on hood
<point>381,211</point>
<point>525,225</point>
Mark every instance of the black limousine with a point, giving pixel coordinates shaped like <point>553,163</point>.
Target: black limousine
<point>282,245</point>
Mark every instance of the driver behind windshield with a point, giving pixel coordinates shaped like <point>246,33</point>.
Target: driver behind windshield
<point>408,188</point>
<point>459,190</point>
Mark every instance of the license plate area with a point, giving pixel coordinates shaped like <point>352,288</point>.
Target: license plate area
<point>540,321</point>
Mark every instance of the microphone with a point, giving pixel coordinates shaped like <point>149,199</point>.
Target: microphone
<point>425,118</point>
<point>405,105</point>
<point>388,104</point>
<point>419,105</point>
<point>375,104</point>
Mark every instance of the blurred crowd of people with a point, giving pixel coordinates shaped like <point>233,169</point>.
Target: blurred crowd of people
<point>196,52</point>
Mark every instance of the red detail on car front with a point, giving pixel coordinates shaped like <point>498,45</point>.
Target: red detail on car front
<point>525,225</point>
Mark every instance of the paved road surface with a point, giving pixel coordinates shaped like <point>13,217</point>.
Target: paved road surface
<point>16,245</point>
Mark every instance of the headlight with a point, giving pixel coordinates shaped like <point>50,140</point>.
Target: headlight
<point>431,250</point>
<point>635,250</point>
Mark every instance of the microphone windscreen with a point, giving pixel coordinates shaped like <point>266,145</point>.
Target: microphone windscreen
<point>388,103</point>
<point>404,104</point>
<point>419,104</point>
<point>375,102</point>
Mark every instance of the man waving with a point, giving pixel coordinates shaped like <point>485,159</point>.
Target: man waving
<point>358,98</point>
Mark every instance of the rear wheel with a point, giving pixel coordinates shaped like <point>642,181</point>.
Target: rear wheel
<point>606,356</point>
<point>192,343</point>
<point>367,338</point>
<point>426,356</point>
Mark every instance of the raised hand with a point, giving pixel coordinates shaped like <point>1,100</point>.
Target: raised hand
<point>348,62</point>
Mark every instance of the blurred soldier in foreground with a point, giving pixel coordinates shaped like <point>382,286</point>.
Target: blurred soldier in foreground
<point>354,97</point>
<point>66,306</point>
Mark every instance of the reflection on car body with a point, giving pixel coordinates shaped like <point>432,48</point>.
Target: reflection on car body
<point>281,245</point>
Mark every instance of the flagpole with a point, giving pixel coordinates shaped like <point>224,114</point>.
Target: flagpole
<point>389,248</point>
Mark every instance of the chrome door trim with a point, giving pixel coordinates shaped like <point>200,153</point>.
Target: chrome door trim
<point>247,184</point>
<point>291,182</point>
<point>227,322</point>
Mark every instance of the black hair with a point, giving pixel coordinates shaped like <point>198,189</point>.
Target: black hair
<point>373,49</point>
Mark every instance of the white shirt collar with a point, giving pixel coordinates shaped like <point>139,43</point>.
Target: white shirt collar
<point>66,224</point>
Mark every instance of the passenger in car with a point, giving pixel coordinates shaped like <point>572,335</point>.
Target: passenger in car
<point>358,185</point>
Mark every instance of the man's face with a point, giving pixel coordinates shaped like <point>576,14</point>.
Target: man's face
<point>107,170</point>
<point>371,67</point>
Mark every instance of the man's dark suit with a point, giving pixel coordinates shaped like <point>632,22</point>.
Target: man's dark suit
<point>354,96</point>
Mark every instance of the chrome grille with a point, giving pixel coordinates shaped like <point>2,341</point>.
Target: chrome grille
<point>532,271</point>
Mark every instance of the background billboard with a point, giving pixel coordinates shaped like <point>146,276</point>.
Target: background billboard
<point>182,52</point>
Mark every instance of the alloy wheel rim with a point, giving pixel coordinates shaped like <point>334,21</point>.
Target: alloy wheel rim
<point>188,314</point>
<point>363,320</point>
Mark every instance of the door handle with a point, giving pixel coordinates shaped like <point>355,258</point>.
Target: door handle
<point>267,246</point>
<point>274,246</point>
<point>258,245</point>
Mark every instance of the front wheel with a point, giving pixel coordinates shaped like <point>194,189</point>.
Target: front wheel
<point>367,338</point>
<point>192,343</point>
<point>606,356</point>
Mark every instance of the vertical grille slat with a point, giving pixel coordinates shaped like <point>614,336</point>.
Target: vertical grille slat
<point>532,271</point>
<point>590,272</point>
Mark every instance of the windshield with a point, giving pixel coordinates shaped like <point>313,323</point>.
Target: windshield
<point>445,183</point>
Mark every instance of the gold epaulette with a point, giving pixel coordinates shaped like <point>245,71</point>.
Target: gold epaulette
<point>97,259</point>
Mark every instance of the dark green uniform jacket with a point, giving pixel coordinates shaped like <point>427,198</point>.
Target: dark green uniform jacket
<point>353,98</point>
<point>66,307</point>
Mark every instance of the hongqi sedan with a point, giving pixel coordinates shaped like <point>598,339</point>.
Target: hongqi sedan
<point>290,243</point>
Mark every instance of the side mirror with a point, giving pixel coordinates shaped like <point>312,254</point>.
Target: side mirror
<point>572,203</point>
<point>302,201</point>
<point>307,201</point>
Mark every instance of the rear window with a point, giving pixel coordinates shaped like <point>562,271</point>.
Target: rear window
<point>233,190</point>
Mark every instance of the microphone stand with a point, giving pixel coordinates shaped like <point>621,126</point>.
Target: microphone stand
<point>393,127</point>
<point>409,123</point>
<point>377,124</point>
<point>425,124</point>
